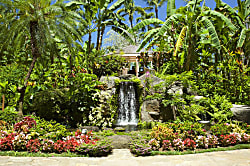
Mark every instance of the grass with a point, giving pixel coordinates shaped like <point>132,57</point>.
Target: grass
<point>69,154</point>
<point>39,154</point>
<point>236,147</point>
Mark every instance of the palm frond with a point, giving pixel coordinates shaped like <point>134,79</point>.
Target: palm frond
<point>124,33</point>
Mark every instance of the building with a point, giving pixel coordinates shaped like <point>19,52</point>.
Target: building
<point>136,59</point>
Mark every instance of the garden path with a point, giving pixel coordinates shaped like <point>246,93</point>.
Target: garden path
<point>122,157</point>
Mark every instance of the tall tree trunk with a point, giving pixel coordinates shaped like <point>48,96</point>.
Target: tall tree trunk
<point>98,38</point>
<point>101,37</point>
<point>131,23</point>
<point>35,54</point>
<point>156,12</point>
<point>189,55</point>
<point>3,103</point>
<point>89,42</point>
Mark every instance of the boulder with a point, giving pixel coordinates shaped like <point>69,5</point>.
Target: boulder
<point>89,128</point>
<point>150,110</point>
<point>154,80</point>
<point>145,117</point>
<point>127,76</point>
<point>177,87</point>
<point>109,80</point>
<point>241,113</point>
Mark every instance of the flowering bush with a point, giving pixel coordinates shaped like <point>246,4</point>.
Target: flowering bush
<point>212,141</point>
<point>154,144</point>
<point>161,133</point>
<point>20,141</point>
<point>72,144</point>
<point>101,148</point>
<point>47,146</point>
<point>140,149</point>
<point>6,143</point>
<point>202,142</point>
<point>60,146</point>
<point>189,143</point>
<point>178,144</point>
<point>3,134</point>
<point>166,145</point>
<point>245,138</point>
<point>26,124</point>
<point>226,140</point>
<point>33,145</point>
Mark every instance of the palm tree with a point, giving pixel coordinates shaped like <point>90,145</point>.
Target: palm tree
<point>106,16</point>
<point>156,4</point>
<point>130,9</point>
<point>41,24</point>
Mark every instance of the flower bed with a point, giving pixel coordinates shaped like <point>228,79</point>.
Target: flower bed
<point>24,138</point>
<point>188,136</point>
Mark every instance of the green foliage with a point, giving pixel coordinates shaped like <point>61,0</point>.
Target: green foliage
<point>103,114</point>
<point>49,129</point>
<point>9,82</point>
<point>50,104</point>
<point>101,148</point>
<point>218,107</point>
<point>82,88</point>
<point>107,64</point>
<point>8,115</point>
<point>161,133</point>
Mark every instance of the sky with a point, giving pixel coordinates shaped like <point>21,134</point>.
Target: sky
<point>162,11</point>
<point>179,3</point>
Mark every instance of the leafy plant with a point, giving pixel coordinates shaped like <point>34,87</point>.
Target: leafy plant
<point>103,114</point>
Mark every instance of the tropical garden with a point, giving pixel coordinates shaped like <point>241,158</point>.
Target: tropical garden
<point>53,54</point>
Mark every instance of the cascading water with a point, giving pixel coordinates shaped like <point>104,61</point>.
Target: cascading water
<point>128,105</point>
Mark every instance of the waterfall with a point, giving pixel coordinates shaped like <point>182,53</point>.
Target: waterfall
<point>128,105</point>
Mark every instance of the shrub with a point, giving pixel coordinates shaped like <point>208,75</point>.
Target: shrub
<point>6,143</point>
<point>33,145</point>
<point>178,144</point>
<point>202,142</point>
<point>49,129</point>
<point>47,146</point>
<point>50,104</point>
<point>166,145</point>
<point>20,142</point>
<point>140,149</point>
<point>245,138</point>
<point>154,144</point>
<point>25,125</point>
<point>103,114</point>
<point>212,141</point>
<point>189,144</point>
<point>226,140</point>
<point>161,133</point>
<point>9,116</point>
<point>101,148</point>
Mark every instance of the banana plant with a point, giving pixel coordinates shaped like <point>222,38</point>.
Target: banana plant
<point>189,18</point>
<point>240,17</point>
